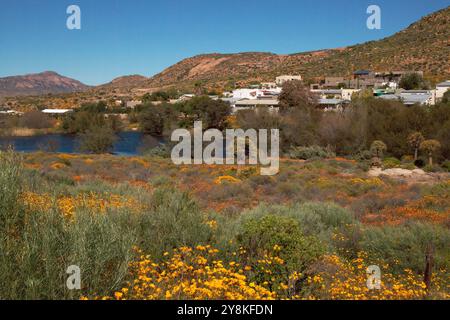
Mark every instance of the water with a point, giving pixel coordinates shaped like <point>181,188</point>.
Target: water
<point>128,143</point>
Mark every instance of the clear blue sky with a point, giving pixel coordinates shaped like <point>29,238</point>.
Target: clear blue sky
<point>120,37</point>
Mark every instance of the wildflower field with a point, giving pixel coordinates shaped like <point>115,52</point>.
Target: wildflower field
<point>143,228</point>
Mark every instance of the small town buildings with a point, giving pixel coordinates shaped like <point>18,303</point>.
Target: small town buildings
<point>363,79</point>
<point>343,94</point>
<point>133,104</point>
<point>11,112</point>
<point>283,79</point>
<point>441,89</point>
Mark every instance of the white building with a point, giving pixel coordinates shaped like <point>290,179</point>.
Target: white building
<point>12,113</point>
<point>254,93</point>
<point>282,79</point>
<point>244,104</point>
<point>412,97</point>
<point>56,111</point>
<point>441,89</point>
<point>133,104</point>
<point>342,94</point>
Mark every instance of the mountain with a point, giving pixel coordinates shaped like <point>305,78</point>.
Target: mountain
<point>125,82</point>
<point>38,84</point>
<point>424,45</point>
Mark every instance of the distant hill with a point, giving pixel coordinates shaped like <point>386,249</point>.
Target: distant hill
<point>125,82</point>
<point>38,84</point>
<point>424,45</point>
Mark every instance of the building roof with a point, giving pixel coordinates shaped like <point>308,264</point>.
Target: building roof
<point>444,84</point>
<point>408,98</point>
<point>328,91</point>
<point>331,101</point>
<point>415,92</point>
<point>257,102</point>
<point>413,99</point>
<point>361,72</point>
<point>56,111</point>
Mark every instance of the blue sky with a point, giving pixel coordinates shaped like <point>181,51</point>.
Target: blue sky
<point>120,37</point>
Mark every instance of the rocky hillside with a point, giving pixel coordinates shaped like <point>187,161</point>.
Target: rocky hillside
<point>125,82</point>
<point>425,45</point>
<point>39,83</point>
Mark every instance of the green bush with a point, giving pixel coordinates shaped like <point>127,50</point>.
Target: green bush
<point>405,246</point>
<point>446,165</point>
<point>433,168</point>
<point>319,220</point>
<point>390,163</point>
<point>307,153</point>
<point>173,220</point>
<point>260,236</point>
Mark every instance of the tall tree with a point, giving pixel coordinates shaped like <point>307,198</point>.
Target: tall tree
<point>430,147</point>
<point>415,139</point>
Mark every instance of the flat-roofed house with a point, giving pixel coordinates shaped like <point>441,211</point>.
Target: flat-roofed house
<point>441,89</point>
<point>412,97</point>
<point>245,104</point>
<point>285,78</point>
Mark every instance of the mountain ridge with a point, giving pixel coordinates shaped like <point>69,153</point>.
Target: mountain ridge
<point>46,82</point>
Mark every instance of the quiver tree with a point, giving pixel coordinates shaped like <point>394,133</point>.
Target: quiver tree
<point>430,147</point>
<point>415,139</point>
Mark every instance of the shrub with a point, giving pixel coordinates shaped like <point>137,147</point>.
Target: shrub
<point>446,165</point>
<point>432,168</point>
<point>35,120</point>
<point>173,220</point>
<point>318,220</point>
<point>389,163</point>
<point>405,246</point>
<point>314,152</point>
<point>363,155</point>
<point>160,151</point>
<point>262,238</point>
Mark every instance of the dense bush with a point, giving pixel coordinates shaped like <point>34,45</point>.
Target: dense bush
<point>389,163</point>
<point>307,153</point>
<point>260,237</point>
<point>405,246</point>
<point>173,220</point>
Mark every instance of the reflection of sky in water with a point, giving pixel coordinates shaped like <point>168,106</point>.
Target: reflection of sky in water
<point>128,143</point>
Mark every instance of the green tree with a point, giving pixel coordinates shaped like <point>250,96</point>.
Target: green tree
<point>378,148</point>
<point>296,95</point>
<point>430,147</point>
<point>446,97</point>
<point>415,139</point>
<point>152,120</point>
<point>97,140</point>
<point>212,113</point>
<point>412,81</point>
